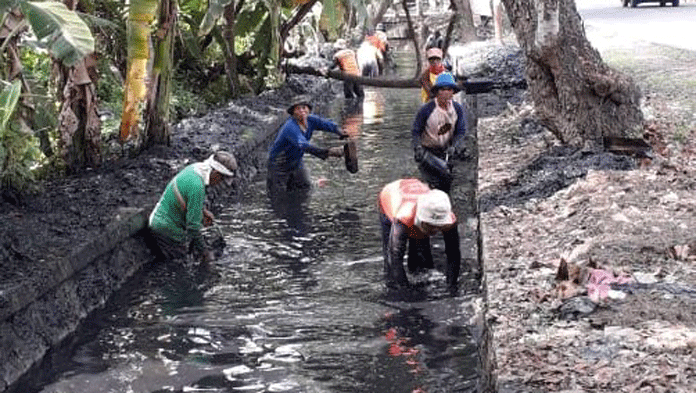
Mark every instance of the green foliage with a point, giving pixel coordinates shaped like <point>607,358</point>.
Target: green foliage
<point>65,35</point>
<point>36,69</point>
<point>110,95</point>
<point>6,5</point>
<point>18,147</point>
<point>215,10</point>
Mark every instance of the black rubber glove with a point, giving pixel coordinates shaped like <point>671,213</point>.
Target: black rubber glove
<point>418,153</point>
<point>458,149</point>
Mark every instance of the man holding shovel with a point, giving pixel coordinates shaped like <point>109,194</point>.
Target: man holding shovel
<point>286,171</point>
<point>438,133</point>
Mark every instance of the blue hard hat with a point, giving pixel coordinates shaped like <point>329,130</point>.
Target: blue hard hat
<point>444,80</point>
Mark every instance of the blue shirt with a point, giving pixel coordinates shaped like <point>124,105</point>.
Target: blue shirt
<point>292,142</point>
<point>422,118</point>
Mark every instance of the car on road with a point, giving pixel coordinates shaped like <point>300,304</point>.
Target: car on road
<point>634,3</point>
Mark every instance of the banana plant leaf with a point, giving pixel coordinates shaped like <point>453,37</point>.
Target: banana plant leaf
<point>9,97</point>
<point>212,15</point>
<point>65,35</point>
<point>249,19</point>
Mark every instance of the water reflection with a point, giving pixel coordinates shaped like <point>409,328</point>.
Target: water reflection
<point>373,107</point>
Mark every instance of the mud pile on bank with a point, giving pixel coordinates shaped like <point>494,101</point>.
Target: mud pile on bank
<point>69,211</point>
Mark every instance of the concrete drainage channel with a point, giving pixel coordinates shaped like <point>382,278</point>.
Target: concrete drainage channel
<point>32,322</point>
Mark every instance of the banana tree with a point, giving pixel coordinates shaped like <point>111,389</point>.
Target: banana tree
<point>79,124</point>
<point>258,20</point>
<point>68,39</point>
<point>157,110</point>
<point>141,14</point>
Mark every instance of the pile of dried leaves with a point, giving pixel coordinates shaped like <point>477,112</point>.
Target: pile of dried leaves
<point>637,224</point>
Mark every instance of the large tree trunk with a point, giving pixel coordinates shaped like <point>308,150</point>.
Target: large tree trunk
<point>157,129</point>
<point>462,9</point>
<point>576,95</point>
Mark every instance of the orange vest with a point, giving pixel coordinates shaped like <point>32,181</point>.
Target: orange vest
<point>376,42</point>
<point>398,200</point>
<point>347,61</point>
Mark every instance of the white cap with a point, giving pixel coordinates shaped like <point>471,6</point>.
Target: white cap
<point>435,208</point>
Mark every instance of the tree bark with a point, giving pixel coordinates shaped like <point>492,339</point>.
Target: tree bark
<point>414,37</point>
<point>462,9</point>
<point>379,14</point>
<point>79,125</point>
<point>576,95</point>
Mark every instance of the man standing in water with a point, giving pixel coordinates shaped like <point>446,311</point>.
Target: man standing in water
<point>346,60</point>
<point>286,171</point>
<point>176,220</point>
<point>428,77</point>
<point>409,210</point>
<point>438,133</point>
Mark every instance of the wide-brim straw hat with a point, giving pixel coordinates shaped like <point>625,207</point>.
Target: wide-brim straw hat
<point>299,100</point>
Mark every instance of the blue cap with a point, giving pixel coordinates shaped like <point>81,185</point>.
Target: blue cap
<point>444,80</point>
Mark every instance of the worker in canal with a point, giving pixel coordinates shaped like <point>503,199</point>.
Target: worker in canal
<point>428,77</point>
<point>346,60</point>
<point>410,213</point>
<point>177,219</point>
<point>286,171</point>
<point>438,133</point>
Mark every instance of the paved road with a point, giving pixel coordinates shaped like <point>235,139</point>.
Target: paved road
<point>673,26</point>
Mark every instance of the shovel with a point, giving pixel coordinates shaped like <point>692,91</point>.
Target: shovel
<point>350,151</point>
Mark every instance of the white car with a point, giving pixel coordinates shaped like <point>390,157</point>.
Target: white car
<point>634,3</point>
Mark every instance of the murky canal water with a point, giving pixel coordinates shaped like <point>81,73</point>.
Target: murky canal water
<point>297,302</point>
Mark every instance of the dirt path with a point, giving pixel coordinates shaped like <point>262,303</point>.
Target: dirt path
<point>637,223</point>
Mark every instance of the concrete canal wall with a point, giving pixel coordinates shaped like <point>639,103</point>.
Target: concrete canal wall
<point>39,312</point>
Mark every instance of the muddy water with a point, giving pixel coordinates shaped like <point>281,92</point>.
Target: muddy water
<point>296,303</point>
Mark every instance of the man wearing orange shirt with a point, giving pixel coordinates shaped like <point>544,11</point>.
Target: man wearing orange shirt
<point>346,60</point>
<point>410,213</point>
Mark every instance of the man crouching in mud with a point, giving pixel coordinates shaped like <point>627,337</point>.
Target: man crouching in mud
<point>409,210</point>
<point>176,220</point>
<point>286,171</point>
